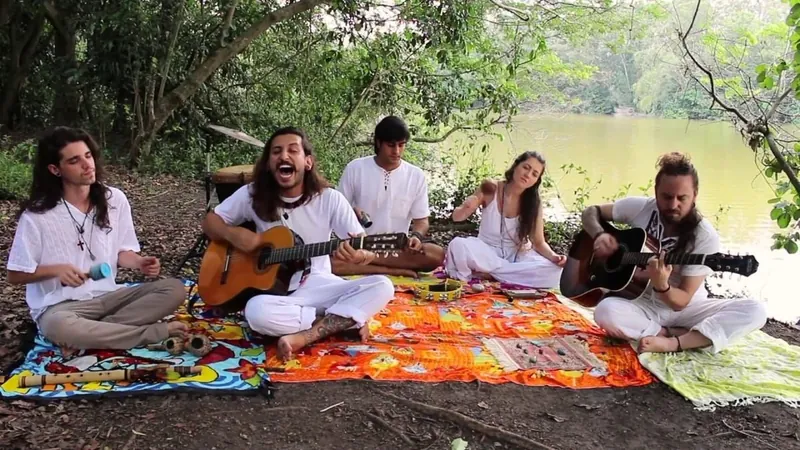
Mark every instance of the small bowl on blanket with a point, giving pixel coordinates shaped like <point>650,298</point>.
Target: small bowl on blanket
<point>448,291</point>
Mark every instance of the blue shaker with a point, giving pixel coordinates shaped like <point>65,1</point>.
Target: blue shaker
<point>100,271</point>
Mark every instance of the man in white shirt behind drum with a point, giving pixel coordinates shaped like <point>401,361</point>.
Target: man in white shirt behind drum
<point>390,195</point>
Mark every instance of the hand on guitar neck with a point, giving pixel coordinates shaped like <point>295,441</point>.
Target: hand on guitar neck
<point>346,253</point>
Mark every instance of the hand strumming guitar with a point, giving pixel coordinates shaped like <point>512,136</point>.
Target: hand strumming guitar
<point>245,240</point>
<point>605,245</point>
<point>346,253</point>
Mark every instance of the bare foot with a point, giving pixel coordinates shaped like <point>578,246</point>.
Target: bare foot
<point>176,328</point>
<point>289,344</point>
<point>658,344</point>
<point>364,333</point>
<point>68,352</point>
<point>322,328</point>
<point>482,276</point>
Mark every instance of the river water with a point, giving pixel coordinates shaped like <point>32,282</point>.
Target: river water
<point>619,150</point>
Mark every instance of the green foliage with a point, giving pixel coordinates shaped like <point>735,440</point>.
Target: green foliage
<point>15,176</point>
<point>334,72</point>
<point>451,186</point>
<point>774,76</point>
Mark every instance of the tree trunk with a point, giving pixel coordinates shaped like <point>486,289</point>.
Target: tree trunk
<point>5,12</point>
<point>66,103</point>
<point>22,53</point>
<point>178,96</point>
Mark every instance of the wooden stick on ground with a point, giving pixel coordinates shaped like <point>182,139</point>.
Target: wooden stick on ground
<point>475,425</point>
<point>748,434</point>
<point>384,424</point>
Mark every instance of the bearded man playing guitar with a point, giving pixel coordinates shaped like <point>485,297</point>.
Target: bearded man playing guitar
<point>288,191</point>
<point>674,313</point>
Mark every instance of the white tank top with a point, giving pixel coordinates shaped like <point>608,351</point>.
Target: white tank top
<point>490,231</point>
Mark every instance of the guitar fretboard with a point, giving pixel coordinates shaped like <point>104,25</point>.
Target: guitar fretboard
<point>281,255</point>
<point>684,259</point>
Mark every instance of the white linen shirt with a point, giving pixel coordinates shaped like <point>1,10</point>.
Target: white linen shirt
<point>51,238</point>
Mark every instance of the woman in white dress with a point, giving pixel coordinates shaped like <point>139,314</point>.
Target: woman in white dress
<point>510,246</point>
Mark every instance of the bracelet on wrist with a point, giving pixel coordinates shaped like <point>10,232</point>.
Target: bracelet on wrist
<point>661,291</point>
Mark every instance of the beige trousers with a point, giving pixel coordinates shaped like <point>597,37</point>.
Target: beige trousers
<point>123,319</point>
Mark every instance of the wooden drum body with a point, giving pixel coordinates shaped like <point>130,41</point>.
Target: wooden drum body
<point>228,179</point>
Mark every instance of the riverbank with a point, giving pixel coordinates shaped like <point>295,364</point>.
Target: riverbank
<point>167,214</point>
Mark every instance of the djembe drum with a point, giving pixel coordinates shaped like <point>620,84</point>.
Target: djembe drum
<point>228,179</point>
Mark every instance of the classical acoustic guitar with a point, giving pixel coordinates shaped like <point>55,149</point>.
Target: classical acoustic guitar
<point>587,279</point>
<point>230,277</point>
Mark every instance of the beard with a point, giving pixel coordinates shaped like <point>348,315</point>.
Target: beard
<point>671,217</point>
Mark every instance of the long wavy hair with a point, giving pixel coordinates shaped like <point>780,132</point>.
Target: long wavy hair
<point>529,200</point>
<point>47,190</point>
<point>679,164</point>
<point>266,190</point>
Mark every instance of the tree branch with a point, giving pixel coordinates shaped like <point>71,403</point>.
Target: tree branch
<point>360,100</point>
<point>711,91</point>
<point>55,18</point>
<point>520,14</point>
<point>436,140</point>
<point>173,39</point>
<point>180,94</point>
<point>776,152</point>
<point>226,24</point>
<point>775,105</point>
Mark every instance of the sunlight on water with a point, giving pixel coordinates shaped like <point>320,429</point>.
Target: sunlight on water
<point>622,150</point>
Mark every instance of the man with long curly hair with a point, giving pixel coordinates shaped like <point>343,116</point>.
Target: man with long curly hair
<point>71,222</point>
<point>288,191</point>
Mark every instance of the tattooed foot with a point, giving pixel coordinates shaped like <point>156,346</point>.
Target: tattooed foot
<point>321,329</point>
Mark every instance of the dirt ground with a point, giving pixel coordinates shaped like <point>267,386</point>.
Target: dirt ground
<point>167,216</point>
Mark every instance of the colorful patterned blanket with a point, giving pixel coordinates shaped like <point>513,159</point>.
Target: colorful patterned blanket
<point>412,340</point>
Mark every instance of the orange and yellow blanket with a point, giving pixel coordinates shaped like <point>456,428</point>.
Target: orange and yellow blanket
<point>412,340</point>
<point>431,342</point>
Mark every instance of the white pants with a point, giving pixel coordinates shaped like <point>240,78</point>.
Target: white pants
<point>320,294</point>
<point>470,254</point>
<point>721,321</point>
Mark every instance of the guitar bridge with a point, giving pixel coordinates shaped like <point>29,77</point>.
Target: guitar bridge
<point>226,266</point>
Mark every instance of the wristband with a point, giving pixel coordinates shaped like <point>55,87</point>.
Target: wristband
<point>416,234</point>
<point>660,291</point>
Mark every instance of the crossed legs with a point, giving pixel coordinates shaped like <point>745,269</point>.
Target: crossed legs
<point>703,323</point>
<point>322,306</point>
<point>123,319</point>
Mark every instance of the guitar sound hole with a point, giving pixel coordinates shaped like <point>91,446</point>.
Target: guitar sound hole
<point>614,262</point>
<point>263,257</point>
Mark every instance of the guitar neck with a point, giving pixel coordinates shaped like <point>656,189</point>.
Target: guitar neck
<point>299,252</point>
<point>683,259</point>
